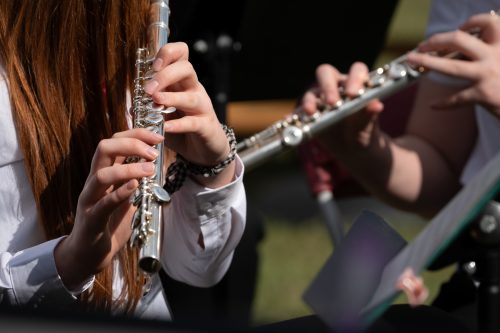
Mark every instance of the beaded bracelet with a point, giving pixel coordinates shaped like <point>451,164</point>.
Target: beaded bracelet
<point>178,171</point>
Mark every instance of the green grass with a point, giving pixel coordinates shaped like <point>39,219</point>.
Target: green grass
<point>291,256</point>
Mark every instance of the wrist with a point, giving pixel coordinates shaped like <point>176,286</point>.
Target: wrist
<point>69,265</point>
<point>218,180</point>
<point>182,167</point>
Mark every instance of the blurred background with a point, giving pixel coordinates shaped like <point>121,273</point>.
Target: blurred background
<point>295,241</point>
<point>256,58</point>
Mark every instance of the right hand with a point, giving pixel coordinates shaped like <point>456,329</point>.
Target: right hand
<point>356,131</point>
<point>481,66</point>
<point>194,130</point>
<point>104,213</point>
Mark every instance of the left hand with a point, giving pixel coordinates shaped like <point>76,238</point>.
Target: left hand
<point>103,215</point>
<point>193,130</point>
<point>355,132</point>
<point>481,68</point>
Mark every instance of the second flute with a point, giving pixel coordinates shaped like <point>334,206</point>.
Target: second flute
<point>298,127</point>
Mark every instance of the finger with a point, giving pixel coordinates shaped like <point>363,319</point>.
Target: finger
<point>169,54</point>
<point>106,206</point>
<point>328,81</point>
<point>455,67</point>
<point>187,101</point>
<point>142,134</point>
<point>358,75</point>
<point>375,106</point>
<point>457,40</point>
<point>310,102</point>
<point>179,72</point>
<point>99,183</point>
<point>108,149</point>
<point>487,24</point>
<point>464,97</point>
<point>183,125</point>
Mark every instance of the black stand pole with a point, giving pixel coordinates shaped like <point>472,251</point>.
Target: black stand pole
<point>486,232</point>
<point>331,216</point>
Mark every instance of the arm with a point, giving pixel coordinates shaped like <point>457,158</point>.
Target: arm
<point>30,278</point>
<point>202,228</point>
<point>51,273</point>
<point>417,172</point>
<point>206,218</point>
<point>420,171</point>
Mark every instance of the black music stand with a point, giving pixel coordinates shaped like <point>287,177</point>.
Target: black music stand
<point>458,215</point>
<point>486,233</point>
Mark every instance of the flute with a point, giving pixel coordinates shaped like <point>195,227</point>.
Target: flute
<point>150,197</point>
<point>298,127</point>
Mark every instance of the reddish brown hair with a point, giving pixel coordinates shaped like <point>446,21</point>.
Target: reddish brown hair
<point>68,65</point>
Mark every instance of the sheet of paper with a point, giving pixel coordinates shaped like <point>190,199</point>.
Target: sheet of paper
<point>434,238</point>
<point>357,283</point>
<point>352,273</point>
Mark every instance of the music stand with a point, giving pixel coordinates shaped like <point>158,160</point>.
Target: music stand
<point>486,233</point>
<point>455,217</point>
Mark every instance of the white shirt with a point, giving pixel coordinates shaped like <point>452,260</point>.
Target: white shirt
<point>28,275</point>
<point>447,15</point>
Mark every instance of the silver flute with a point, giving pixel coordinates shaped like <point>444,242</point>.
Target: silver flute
<point>150,197</point>
<point>298,127</point>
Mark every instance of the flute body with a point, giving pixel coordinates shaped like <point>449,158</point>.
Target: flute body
<point>150,197</point>
<point>299,127</point>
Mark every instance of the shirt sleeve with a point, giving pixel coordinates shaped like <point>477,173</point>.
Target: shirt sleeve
<point>30,278</point>
<point>218,215</point>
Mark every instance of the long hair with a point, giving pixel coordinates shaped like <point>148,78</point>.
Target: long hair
<point>68,66</point>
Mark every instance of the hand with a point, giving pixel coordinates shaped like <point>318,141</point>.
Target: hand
<point>357,129</point>
<point>413,286</point>
<point>481,68</point>
<point>194,130</point>
<point>104,214</point>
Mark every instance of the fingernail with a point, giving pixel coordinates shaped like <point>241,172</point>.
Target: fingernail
<point>131,184</point>
<point>153,152</point>
<point>148,167</point>
<point>157,64</point>
<point>167,126</point>
<point>158,136</point>
<point>150,86</point>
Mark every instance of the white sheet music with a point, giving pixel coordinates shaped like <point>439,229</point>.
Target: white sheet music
<point>418,254</point>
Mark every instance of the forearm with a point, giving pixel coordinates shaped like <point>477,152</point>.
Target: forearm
<point>30,278</point>
<point>202,228</point>
<point>225,177</point>
<point>406,173</point>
